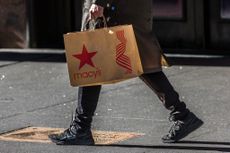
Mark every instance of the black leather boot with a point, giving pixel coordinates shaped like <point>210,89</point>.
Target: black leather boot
<point>70,138</point>
<point>182,128</point>
<point>184,121</point>
<point>79,132</point>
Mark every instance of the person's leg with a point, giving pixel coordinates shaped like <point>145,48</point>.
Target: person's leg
<point>184,120</point>
<point>87,102</point>
<point>159,83</point>
<point>79,131</point>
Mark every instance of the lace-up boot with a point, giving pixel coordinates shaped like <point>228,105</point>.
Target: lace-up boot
<point>73,136</point>
<point>182,128</point>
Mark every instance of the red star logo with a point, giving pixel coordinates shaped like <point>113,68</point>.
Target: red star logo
<point>85,57</point>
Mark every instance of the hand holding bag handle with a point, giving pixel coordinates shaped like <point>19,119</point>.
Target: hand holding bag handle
<point>108,18</point>
<point>98,23</point>
<point>92,24</point>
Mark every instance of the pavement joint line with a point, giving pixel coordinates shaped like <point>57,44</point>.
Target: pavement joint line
<point>10,116</point>
<point>16,129</point>
<point>11,64</point>
<point>36,109</point>
<point>131,118</point>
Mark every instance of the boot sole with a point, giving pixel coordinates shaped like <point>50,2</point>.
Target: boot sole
<point>194,125</point>
<point>73,143</point>
<point>80,142</point>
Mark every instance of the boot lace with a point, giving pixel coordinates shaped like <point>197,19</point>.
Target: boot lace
<point>177,126</point>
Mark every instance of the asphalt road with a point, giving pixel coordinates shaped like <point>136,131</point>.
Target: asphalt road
<point>35,92</point>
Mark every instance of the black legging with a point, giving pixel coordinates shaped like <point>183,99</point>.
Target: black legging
<point>158,82</point>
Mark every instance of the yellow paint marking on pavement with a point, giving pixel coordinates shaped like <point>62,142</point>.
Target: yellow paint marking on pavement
<point>40,134</point>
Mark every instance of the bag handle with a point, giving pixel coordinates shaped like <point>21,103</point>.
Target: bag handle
<point>94,22</point>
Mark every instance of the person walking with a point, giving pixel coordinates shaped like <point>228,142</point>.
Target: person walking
<point>139,14</point>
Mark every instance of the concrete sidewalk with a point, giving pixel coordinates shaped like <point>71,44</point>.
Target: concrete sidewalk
<point>35,92</point>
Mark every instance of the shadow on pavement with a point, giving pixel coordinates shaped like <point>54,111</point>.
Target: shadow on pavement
<point>204,142</point>
<point>175,146</point>
<point>32,57</point>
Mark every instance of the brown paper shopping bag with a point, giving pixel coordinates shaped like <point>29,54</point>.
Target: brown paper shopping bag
<point>102,56</point>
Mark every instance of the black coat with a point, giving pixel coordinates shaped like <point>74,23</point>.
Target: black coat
<point>139,14</point>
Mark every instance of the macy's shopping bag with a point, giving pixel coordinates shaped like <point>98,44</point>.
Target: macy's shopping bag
<point>102,56</point>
